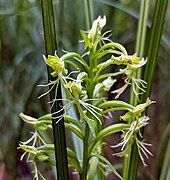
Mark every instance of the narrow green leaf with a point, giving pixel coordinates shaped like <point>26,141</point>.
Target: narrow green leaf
<point>166,164</point>
<point>69,119</point>
<point>120,6</point>
<point>102,158</point>
<point>46,117</point>
<point>73,161</point>
<point>58,128</point>
<point>74,129</point>
<point>140,46</point>
<point>88,12</point>
<point>116,103</point>
<point>106,132</point>
<point>154,43</point>
<point>86,39</point>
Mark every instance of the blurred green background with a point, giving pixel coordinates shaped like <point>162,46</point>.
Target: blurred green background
<point>22,69</point>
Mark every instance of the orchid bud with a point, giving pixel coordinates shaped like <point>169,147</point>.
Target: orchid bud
<point>97,26</point>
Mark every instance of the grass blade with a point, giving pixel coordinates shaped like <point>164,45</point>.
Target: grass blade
<point>166,164</point>
<point>88,13</point>
<point>153,44</point>
<point>58,128</point>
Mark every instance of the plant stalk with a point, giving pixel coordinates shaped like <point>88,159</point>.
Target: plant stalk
<point>166,164</point>
<point>58,128</point>
<point>85,153</point>
<point>87,133</point>
<point>88,13</point>
<point>153,44</point>
<point>83,176</point>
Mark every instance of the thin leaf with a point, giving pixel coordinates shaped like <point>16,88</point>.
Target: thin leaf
<point>75,130</point>
<point>106,132</point>
<point>73,160</point>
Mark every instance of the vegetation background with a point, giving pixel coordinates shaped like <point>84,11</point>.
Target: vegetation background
<point>22,68</point>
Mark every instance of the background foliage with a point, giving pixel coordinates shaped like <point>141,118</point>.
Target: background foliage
<point>22,68</point>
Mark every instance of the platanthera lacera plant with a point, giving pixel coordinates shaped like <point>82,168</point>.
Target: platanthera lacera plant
<point>84,87</point>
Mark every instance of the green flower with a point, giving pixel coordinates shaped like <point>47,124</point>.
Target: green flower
<point>133,63</point>
<point>130,137</point>
<point>141,107</point>
<point>55,63</point>
<point>74,88</point>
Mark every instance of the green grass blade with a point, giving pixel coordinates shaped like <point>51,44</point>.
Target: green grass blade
<point>88,13</point>
<point>166,164</point>
<point>58,128</point>
<point>162,146</point>
<point>151,54</point>
<point>153,44</point>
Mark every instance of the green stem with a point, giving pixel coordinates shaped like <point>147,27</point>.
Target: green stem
<point>154,43</point>
<point>85,153</point>
<point>86,138</point>
<point>58,128</point>
<point>89,19</point>
<point>140,43</point>
<point>88,13</point>
<point>166,164</point>
<point>162,146</point>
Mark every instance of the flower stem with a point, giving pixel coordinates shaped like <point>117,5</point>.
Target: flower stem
<point>87,133</point>
<point>83,176</point>
<point>85,154</point>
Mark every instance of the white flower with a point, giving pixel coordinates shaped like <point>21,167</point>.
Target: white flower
<point>97,26</point>
<point>104,86</point>
<point>131,137</point>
